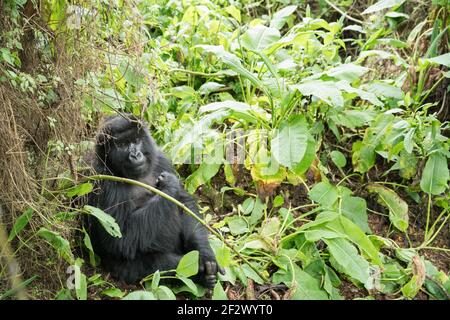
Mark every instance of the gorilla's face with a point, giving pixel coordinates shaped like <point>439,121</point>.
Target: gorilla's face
<point>128,148</point>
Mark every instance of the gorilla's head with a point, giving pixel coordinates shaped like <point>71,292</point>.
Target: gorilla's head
<point>125,147</point>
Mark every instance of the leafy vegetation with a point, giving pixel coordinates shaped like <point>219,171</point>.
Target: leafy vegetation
<point>314,134</point>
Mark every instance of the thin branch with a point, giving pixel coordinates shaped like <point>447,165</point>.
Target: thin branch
<point>343,13</point>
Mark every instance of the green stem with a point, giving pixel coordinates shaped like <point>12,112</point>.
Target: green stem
<point>182,206</point>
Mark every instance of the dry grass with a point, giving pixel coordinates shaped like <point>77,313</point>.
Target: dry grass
<point>28,170</point>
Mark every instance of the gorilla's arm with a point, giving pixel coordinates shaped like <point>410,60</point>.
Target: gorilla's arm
<point>152,227</point>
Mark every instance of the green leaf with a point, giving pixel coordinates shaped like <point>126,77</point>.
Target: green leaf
<point>190,286</point>
<point>164,293</point>
<point>209,87</point>
<point>235,64</point>
<point>250,273</point>
<point>113,293</point>
<point>398,208</point>
<point>140,295</point>
<point>411,289</point>
<point>93,259</point>
<point>270,227</point>
<point>338,158</point>
<point>290,143</point>
<point>307,287</point>
<point>347,260</point>
<point>324,90</point>
<point>259,37</point>
<point>107,221</point>
<point>80,284</point>
<point>280,17</point>
<point>20,223</point>
<point>221,252</point>
<point>355,209</point>
<point>80,190</point>
<point>349,72</point>
<point>435,174</point>
<point>237,226</point>
<point>357,236</point>
<point>188,265</point>
<point>202,175</point>
<point>218,292</point>
<point>324,193</point>
<point>383,4</point>
<point>278,201</point>
<point>60,244</point>
<point>155,280</point>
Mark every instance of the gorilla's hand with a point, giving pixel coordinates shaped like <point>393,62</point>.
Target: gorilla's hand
<point>208,268</point>
<point>168,183</point>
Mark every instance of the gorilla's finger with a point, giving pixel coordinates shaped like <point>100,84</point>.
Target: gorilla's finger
<point>209,268</point>
<point>221,270</point>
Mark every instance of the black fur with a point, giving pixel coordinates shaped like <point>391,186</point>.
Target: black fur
<point>155,232</point>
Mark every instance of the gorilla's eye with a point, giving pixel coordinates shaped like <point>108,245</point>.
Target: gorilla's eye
<point>121,144</point>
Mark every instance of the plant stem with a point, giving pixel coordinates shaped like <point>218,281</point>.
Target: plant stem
<point>182,206</point>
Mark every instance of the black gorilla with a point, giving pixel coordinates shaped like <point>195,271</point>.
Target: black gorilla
<point>155,232</point>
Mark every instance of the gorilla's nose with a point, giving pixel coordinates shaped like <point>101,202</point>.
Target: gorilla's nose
<point>136,157</point>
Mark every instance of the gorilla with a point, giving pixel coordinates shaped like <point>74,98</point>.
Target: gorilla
<point>156,233</point>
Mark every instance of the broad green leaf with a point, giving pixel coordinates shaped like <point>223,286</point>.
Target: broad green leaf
<point>435,175</point>
<point>338,158</point>
<point>324,90</point>
<point>320,233</point>
<point>60,244</point>
<point>363,157</point>
<point>107,221</point>
<point>383,4</point>
<point>385,90</point>
<point>349,72</point>
<point>278,201</point>
<point>355,209</point>
<point>398,208</point>
<point>155,280</point>
<point>221,252</point>
<point>164,293</point>
<point>190,285</point>
<point>250,273</point>
<point>80,284</point>
<point>290,142</point>
<point>80,190</point>
<point>237,226</point>
<point>411,289</point>
<point>270,227</point>
<point>188,265</point>
<point>20,223</point>
<point>280,17</point>
<point>235,109</point>
<point>113,293</point>
<point>324,193</point>
<point>357,236</point>
<point>442,59</point>
<point>202,175</point>
<point>257,212</point>
<point>248,205</point>
<point>259,37</point>
<point>235,64</point>
<point>209,87</point>
<point>234,12</point>
<point>140,295</point>
<point>347,260</point>
<point>307,287</point>
<point>218,292</point>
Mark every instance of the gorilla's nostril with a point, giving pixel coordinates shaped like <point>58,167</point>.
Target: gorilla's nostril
<point>136,156</point>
